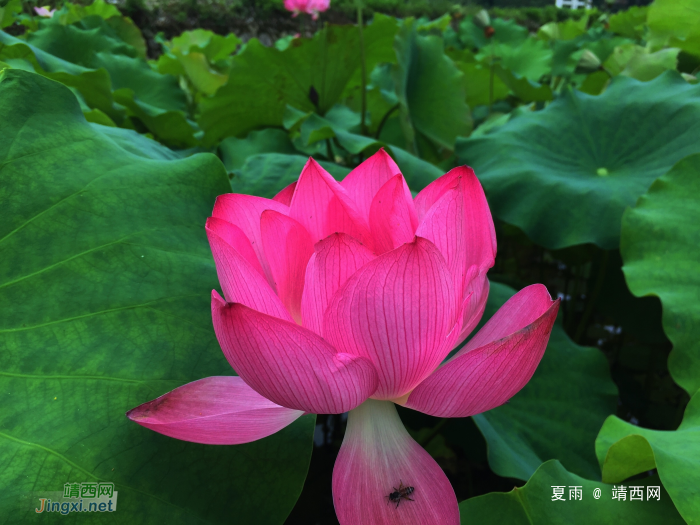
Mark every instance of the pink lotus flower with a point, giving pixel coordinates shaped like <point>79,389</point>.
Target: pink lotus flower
<point>310,7</point>
<point>348,297</point>
<point>44,11</point>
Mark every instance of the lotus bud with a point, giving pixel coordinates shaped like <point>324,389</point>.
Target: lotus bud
<point>482,19</point>
<point>588,63</point>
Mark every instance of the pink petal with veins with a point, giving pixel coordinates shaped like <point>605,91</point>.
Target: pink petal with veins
<point>288,248</point>
<point>323,206</point>
<point>219,410</point>
<point>244,211</point>
<point>288,364</point>
<point>337,257</point>
<point>285,196</point>
<point>398,311</point>
<point>392,217</point>
<point>498,361</point>
<point>363,183</point>
<point>240,280</point>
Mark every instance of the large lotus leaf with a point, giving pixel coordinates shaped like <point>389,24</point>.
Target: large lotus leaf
<point>430,90</point>
<point>214,47</point>
<point>71,13</point>
<point>522,88</point>
<point>196,68</point>
<point>477,78</point>
<point>567,53</point>
<point>565,174</point>
<point>200,55</point>
<point>264,80</point>
<point>266,174</point>
<point>417,172</point>
<point>93,87</point>
<point>91,44</point>
<point>155,100</point>
<point>533,505</point>
<point>136,143</point>
<point>675,23</point>
<point>566,30</point>
<point>79,43</point>
<point>234,152</point>
<point>531,59</point>
<point>505,31</point>
<point>122,26</point>
<point>629,23</point>
<point>557,414</point>
<point>624,450</point>
<point>105,282</point>
<point>635,61</point>
<point>8,12</point>
<point>661,251</point>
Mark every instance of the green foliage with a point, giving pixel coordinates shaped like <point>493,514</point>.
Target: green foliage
<point>629,23</point>
<point>105,281</point>
<point>567,117</point>
<point>8,12</point>
<point>625,450</point>
<point>265,80</point>
<point>583,159</point>
<point>675,23</point>
<point>201,57</point>
<point>422,71</point>
<point>530,428</point>
<point>665,264</point>
<point>533,503</point>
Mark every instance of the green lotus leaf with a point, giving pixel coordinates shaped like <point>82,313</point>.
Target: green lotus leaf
<point>566,30</point>
<point>637,62</point>
<point>565,174</point>
<point>505,31</point>
<point>675,23</point>
<point>630,22</point>
<point>266,174</point>
<point>532,504</point>
<point>234,152</point>
<point>8,12</point>
<point>105,283</point>
<point>430,90</point>
<point>666,263</point>
<point>625,450</point>
<point>92,87</point>
<point>522,88</point>
<point>477,78</point>
<point>200,55</point>
<point>71,13</point>
<point>531,59</point>
<point>532,428</point>
<point>155,100</point>
<point>263,81</point>
<point>567,53</point>
<point>136,143</point>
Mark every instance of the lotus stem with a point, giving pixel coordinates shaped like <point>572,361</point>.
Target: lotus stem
<point>384,119</point>
<point>363,67</point>
<point>594,296</point>
<point>491,78</point>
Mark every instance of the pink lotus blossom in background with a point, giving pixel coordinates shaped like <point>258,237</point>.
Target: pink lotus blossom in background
<point>348,297</point>
<point>44,11</point>
<point>310,7</point>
